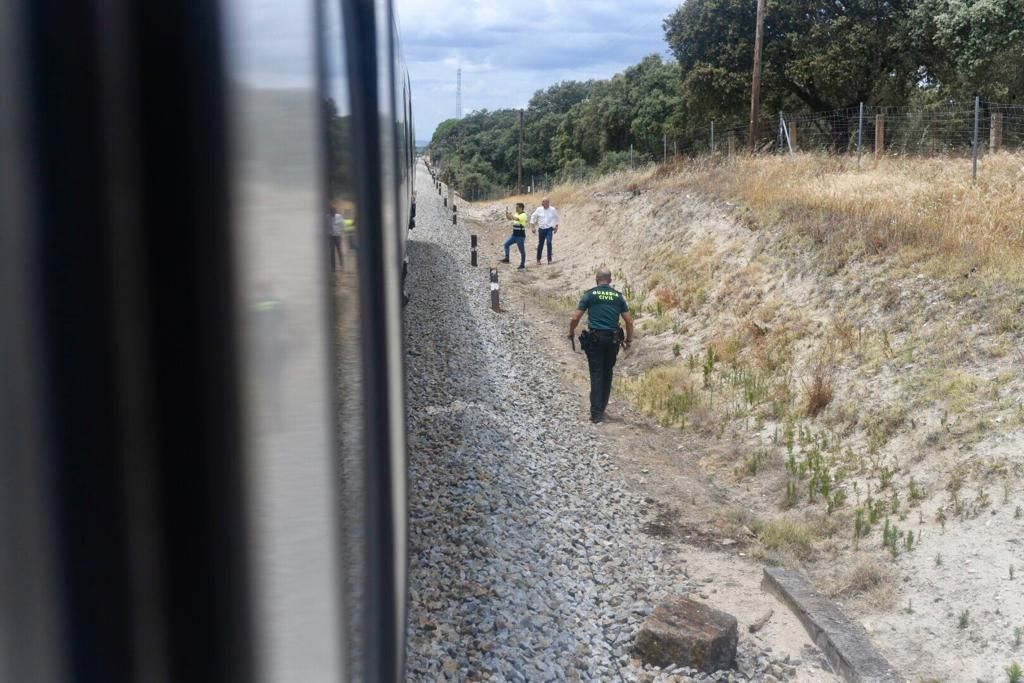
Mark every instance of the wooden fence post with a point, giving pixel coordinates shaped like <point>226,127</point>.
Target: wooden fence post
<point>792,136</point>
<point>995,134</point>
<point>879,135</point>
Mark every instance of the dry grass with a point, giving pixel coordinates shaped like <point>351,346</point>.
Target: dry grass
<point>871,581</point>
<point>669,391</point>
<point>784,539</point>
<point>926,210</point>
<point>922,208</point>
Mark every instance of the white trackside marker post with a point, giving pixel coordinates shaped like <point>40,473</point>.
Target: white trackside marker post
<point>494,291</point>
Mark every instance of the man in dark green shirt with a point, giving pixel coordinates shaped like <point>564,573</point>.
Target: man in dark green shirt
<point>603,305</point>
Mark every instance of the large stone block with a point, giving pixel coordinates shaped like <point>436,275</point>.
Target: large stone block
<point>844,641</point>
<point>684,632</point>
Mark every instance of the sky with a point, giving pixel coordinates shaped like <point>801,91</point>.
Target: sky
<point>509,50</point>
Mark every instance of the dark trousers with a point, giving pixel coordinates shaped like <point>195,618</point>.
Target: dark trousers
<point>601,359</point>
<point>545,238</point>
<point>335,250</point>
<point>519,241</point>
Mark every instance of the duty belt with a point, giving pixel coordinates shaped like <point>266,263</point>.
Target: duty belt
<point>617,334</point>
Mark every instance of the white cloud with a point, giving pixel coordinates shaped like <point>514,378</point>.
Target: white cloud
<point>508,51</point>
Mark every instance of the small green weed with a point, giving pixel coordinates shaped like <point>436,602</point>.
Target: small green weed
<point>885,478</point>
<point>860,526</point>
<point>755,461</point>
<point>709,366</point>
<point>915,494</point>
<point>791,494</point>
<point>964,620</point>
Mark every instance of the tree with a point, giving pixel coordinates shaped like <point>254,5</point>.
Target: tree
<point>655,95</point>
<point>971,47</point>
<point>818,55</point>
<point>338,153</point>
<point>560,98</point>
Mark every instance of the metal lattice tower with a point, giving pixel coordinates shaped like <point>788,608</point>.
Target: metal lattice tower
<point>458,94</point>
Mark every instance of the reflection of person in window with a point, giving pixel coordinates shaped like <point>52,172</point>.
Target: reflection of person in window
<point>334,228</point>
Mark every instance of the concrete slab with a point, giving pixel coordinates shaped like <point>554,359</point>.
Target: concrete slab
<point>843,641</point>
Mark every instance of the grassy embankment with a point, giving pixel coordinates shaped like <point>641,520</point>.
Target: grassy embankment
<point>854,331</point>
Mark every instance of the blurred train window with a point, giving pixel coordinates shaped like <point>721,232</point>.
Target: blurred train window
<point>346,332</point>
<point>294,214</point>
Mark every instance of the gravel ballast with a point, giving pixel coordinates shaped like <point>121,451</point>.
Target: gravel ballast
<point>527,562</point>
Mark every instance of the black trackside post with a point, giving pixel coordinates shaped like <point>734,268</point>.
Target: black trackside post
<point>494,291</point>
<point>455,218</point>
<point>472,250</point>
<point>446,201</point>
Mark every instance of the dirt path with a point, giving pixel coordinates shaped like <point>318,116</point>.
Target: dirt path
<point>695,518</point>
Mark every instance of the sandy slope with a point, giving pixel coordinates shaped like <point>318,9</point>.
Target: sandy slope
<point>926,403</point>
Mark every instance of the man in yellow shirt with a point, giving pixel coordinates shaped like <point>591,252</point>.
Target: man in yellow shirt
<point>518,238</point>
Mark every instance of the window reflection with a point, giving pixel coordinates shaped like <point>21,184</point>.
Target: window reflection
<point>344,262</point>
<point>281,125</point>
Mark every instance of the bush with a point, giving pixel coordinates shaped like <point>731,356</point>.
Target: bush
<point>819,392</point>
<point>613,161</point>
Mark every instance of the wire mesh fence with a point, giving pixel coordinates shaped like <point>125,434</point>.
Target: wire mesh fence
<point>970,129</point>
<point>903,130</point>
<point>964,129</point>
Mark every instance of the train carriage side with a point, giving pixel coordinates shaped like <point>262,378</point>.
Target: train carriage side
<point>202,447</point>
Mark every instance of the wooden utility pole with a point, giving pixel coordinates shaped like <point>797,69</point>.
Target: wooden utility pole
<point>755,90</point>
<point>519,187</point>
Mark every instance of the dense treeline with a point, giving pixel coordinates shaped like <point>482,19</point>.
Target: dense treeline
<point>818,56</point>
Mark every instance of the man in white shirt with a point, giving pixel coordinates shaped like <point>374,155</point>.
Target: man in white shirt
<point>334,225</point>
<point>545,223</point>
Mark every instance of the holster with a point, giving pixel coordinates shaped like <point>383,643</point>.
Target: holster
<point>588,337</point>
